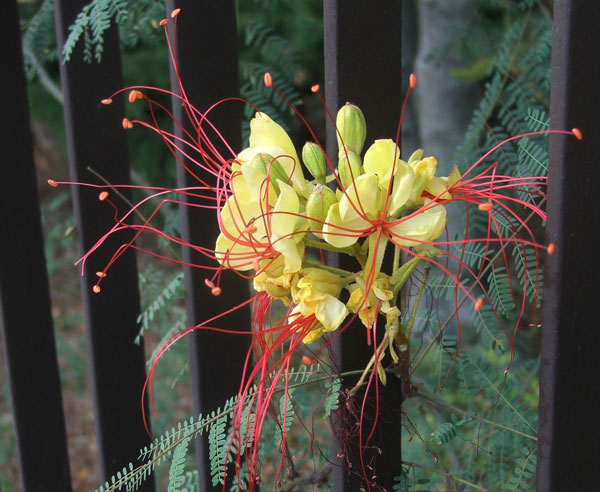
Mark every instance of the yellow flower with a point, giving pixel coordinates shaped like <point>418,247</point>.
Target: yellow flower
<point>277,287</point>
<point>256,222</point>
<point>316,292</point>
<point>378,299</point>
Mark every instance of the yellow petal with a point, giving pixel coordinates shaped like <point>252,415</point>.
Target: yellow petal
<point>340,234</point>
<point>331,312</point>
<point>422,228</point>
<point>291,253</point>
<point>233,254</point>
<point>438,187</point>
<point>285,213</point>
<point>361,199</point>
<point>382,159</point>
<point>402,191</point>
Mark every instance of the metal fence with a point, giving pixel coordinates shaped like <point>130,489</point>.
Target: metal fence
<point>358,33</point>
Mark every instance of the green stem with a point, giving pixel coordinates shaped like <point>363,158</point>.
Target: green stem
<point>396,262</point>
<point>401,275</point>
<point>311,243</point>
<point>337,271</point>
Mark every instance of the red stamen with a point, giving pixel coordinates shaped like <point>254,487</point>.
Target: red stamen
<point>577,133</point>
<point>550,249</point>
<point>52,183</point>
<point>268,79</point>
<point>412,81</point>
<point>106,101</point>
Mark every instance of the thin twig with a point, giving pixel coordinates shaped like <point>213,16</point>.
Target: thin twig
<point>449,476</point>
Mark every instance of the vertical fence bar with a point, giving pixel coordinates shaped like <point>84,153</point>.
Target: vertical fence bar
<point>363,66</point>
<point>25,316</point>
<point>568,450</point>
<point>208,66</point>
<point>96,139</point>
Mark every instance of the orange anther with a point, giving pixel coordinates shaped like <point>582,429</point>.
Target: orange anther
<point>478,304</point>
<point>307,360</point>
<point>412,81</point>
<point>250,230</point>
<point>315,88</point>
<point>216,291</point>
<point>96,289</point>
<point>127,124</point>
<point>175,13</point>
<point>132,96</point>
<point>485,207</point>
<point>209,283</point>
<point>255,264</point>
<point>101,274</point>
<point>52,183</point>
<point>550,249</point>
<point>577,133</point>
<point>106,101</point>
<point>268,79</point>
<point>164,22</point>
<point>103,196</point>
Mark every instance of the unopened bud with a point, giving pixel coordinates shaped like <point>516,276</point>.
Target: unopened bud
<point>314,160</point>
<point>270,167</point>
<point>349,167</point>
<point>317,206</point>
<point>352,128</point>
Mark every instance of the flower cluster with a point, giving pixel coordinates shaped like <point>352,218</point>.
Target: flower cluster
<point>273,216</point>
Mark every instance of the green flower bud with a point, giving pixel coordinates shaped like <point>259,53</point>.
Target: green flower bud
<point>318,204</point>
<point>352,128</point>
<point>349,161</point>
<point>273,168</point>
<point>314,160</point>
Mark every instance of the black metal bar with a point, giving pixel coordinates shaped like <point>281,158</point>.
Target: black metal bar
<point>25,315</point>
<point>96,139</point>
<point>208,66</point>
<point>363,66</point>
<point>568,452</point>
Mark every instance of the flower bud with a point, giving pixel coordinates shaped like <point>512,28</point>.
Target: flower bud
<point>349,167</point>
<point>314,160</point>
<point>317,206</point>
<point>352,128</point>
<point>271,167</point>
